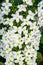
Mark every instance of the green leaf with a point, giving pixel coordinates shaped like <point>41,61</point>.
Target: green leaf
<point>36,2</point>
<point>33,1</point>
<point>41,40</point>
<point>16,2</point>
<point>2,63</point>
<point>0,36</point>
<point>40,63</point>
<point>15,49</point>
<point>39,56</point>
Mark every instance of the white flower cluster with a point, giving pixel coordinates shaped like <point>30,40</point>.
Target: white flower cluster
<point>4,11</point>
<point>5,8</point>
<point>40,13</point>
<point>19,44</point>
<point>12,39</point>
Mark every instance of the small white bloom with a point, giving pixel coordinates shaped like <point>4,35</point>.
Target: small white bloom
<point>11,56</point>
<point>33,25</point>
<point>26,22</point>
<point>3,20</point>
<point>9,21</point>
<point>5,40</point>
<point>7,49</point>
<point>40,22</point>
<point>2,31</point>
<point>5,10</point>
<point>2,53</point>
<point>7,4</point>
<point>29,2</point>
<point>40,12</point>
<point>8,62</point>
<point>22,8</point>
<point>17,17</point>
<point>30,15</point>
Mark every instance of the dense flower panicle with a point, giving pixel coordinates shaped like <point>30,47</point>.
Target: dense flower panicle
<point>12,39</point>
<point>19,44</point>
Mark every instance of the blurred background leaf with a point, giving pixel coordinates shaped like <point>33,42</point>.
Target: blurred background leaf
<point>39,57</point>
<point>1,63</point>
<point>16,2</point>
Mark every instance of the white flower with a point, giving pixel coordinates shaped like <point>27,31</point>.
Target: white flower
<point>34,63</point>
<point>17,17</point>
<point>5,10</point>
<point>40,22</point>
<point>5,40</point>
<point>2,53</point>
<point>40,12</point>
<point>7,4</point>
<point>24,30</point>
<point>8,62</point>
<point>19,44</point>
<point>11,56</point>
<point>34,53</point>
<point>40,9</point>
<point>3,20</point>
<point>7,49</point>
<point>29,2</point>
<point>33,25</point>
<point>9,21</point>
<point>15,28</point>
<point>29,63</point>
<point>17,55</point>
<point>20,60</point>
<point>26,40</point>
<point>36,46</point>
<point>26,22</point>
<point>30,15</point>
<point>27,58</point>
<point>22,8</point>
<point>28,50</point>
<point>40,4</point>
<point>2,31</point>
<point>20,29</point>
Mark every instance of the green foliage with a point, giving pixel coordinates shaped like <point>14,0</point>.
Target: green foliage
<point>1,63</point>
<point>39,59</point>
<point>15,49</point>
<point>39,55</point>
<point>40,63</point>
<point>41,41</point>
<point>17,24</point>
<point>16,2</point>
